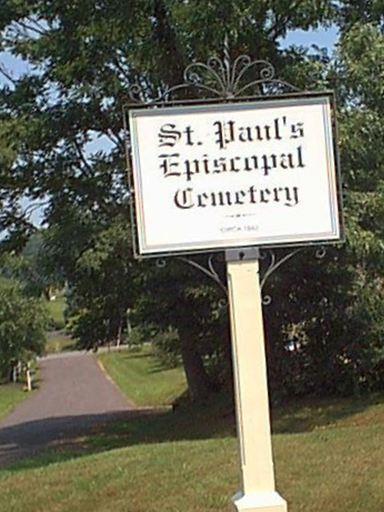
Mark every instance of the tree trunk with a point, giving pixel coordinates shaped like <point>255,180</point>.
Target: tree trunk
<point>119,333</point>
<point>129,325</point>
<point>199,385</point>
<point>170,61</point>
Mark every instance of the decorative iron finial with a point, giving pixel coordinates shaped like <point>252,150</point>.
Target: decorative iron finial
<point>222,78</point>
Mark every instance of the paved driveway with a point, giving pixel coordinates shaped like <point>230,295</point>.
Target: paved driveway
<point>75,398</point>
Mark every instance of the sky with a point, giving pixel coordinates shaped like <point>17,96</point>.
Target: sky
<point>17,67</point>
<point>322,38</point>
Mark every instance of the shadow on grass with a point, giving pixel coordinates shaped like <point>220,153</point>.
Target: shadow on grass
<point>155,366</point>
<point>159,367</point>
<point>40,443</point>
<point>129,354</point>
<point>311,414</point>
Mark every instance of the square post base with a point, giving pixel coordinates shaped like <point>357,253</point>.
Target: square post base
<point>259,502</point>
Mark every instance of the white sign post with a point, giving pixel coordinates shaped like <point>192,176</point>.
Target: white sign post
<point>236,176</point>
<point>251,387</point>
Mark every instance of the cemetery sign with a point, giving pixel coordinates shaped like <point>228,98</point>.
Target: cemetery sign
<point>235,174</point>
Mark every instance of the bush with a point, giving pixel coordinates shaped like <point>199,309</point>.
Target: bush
<point>137,337</point>
<point>166,347</point>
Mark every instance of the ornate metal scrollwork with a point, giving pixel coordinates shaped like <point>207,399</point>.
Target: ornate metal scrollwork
<point>222,78</point>
<point>161,263</point>
<point>320,253</point>
<point>268,256</point>
<point>209,271</point>
<point>273,264</point>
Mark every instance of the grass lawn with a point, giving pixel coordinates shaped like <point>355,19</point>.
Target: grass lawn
<point>56,311</point>
<point>10,396</point>
<point>330,460</point>
<point>142,378</point>
<point>58,341</point>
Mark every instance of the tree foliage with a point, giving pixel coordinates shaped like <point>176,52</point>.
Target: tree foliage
<point>33,269</point>
<point>326,330</point>
<point>103,288</point>
<point>22,325</point>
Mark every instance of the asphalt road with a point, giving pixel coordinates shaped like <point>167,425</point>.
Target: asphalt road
<point>75,398</point>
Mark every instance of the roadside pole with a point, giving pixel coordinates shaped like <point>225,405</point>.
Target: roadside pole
<point>28,377</point>
<point>258,491</point>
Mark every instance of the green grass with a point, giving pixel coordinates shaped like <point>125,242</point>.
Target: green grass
<point>58,342</point>
<point>56,311</point>
<point>10,396</point>
<point>142,378</point>
<point>330,459</point>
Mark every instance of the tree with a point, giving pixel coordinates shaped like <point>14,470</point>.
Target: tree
<point>179,297</point>
<point>329,320</point>
<point>33,269</point>
<point>22,326</point>
<point>103,288</point>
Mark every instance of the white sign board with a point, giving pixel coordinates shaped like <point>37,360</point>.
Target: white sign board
<point>258,173</point>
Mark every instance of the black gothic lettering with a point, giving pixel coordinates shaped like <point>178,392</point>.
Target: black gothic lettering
<point>168,135</point>
<point>169,164</point>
